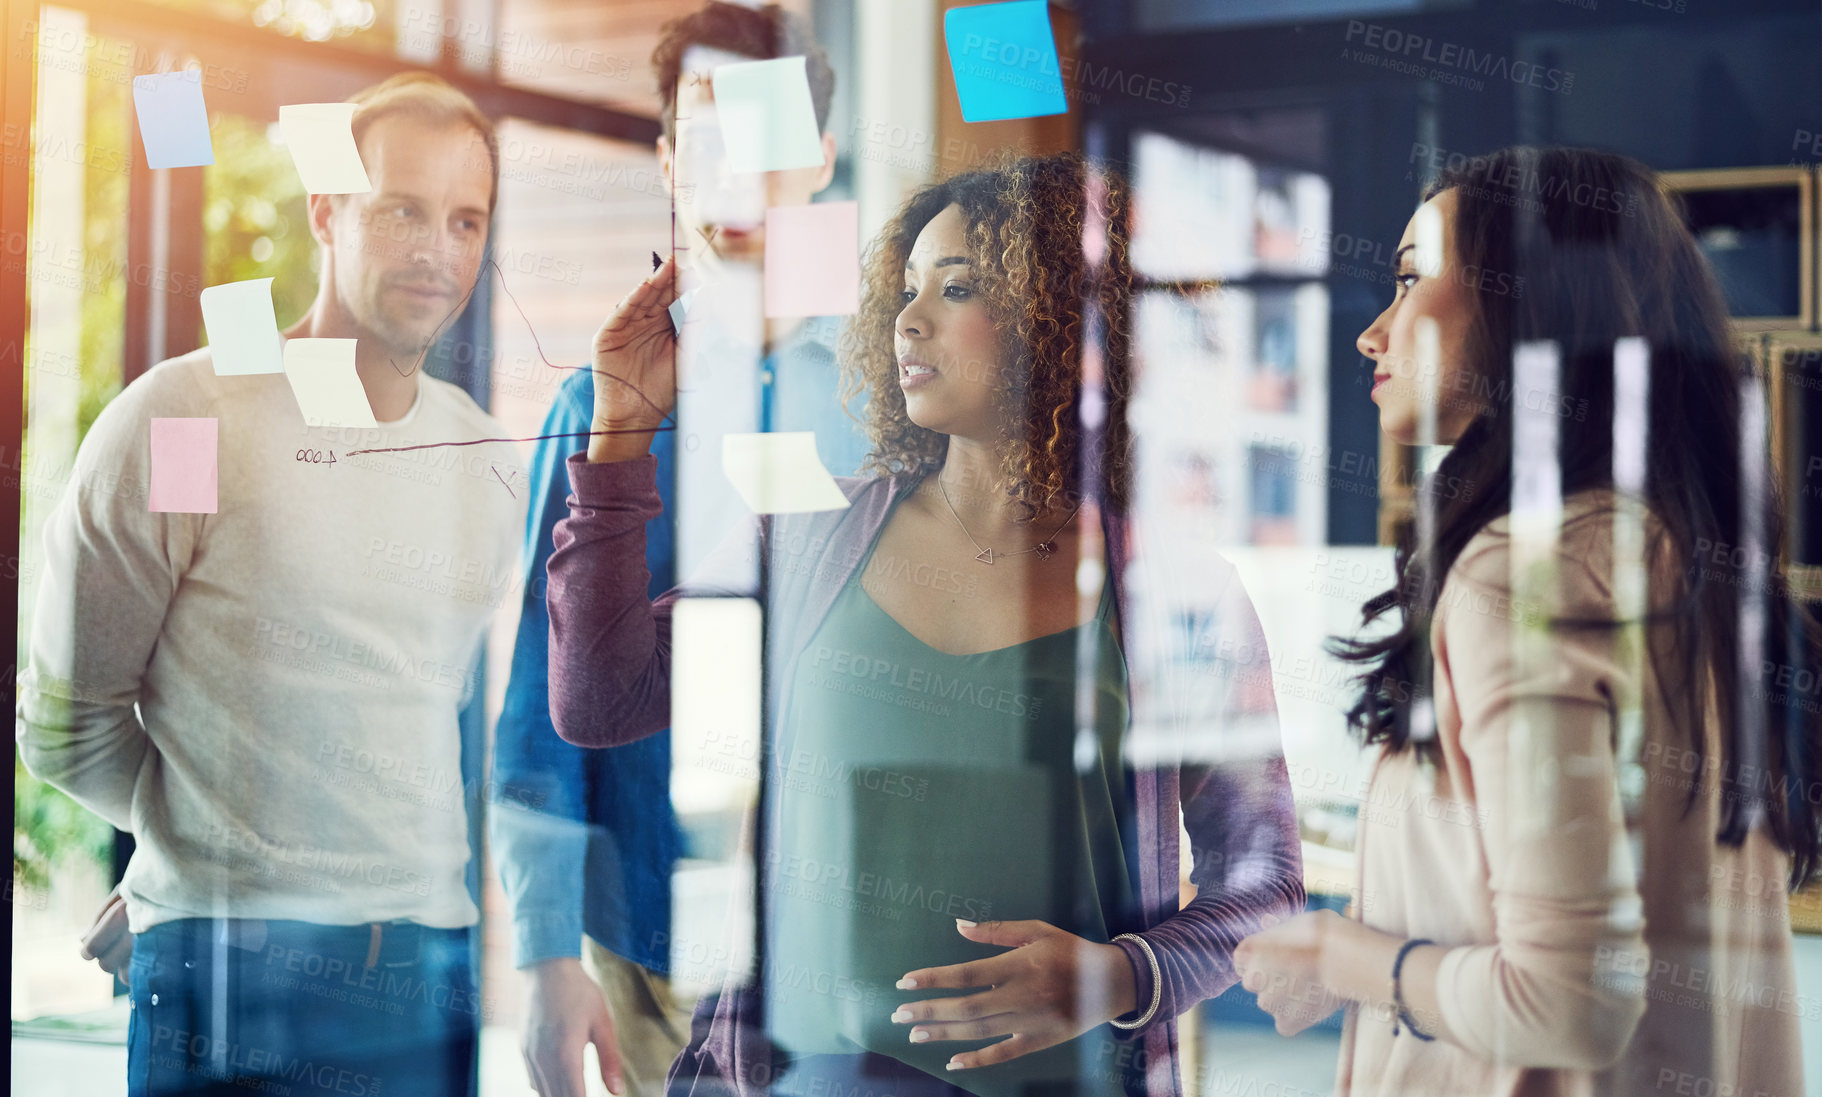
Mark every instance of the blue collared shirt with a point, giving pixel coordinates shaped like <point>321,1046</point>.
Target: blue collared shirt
<point>586,839</point>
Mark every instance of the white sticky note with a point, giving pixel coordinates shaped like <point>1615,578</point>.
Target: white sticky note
<point>780,473</point>
<point>1429,251</point>
<point>242,327</point>
<point>680,309</point>
<point>173,120</point>
<point>767,120</point>
<point>323,379</point>
<point>321,139</point>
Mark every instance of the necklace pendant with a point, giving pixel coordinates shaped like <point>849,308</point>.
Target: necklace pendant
<point>1045,549</point>
<point>985,556</point>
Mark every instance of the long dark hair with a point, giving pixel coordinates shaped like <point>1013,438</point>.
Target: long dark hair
<point>1583,248</point>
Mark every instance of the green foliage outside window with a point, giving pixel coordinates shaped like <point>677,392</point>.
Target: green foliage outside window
<point>255,226</point>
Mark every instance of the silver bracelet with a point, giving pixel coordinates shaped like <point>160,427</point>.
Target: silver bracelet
<point>1157,984</point>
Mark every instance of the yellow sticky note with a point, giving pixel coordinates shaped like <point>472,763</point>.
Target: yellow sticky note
<point>323,379</point>
<point>321,139</point>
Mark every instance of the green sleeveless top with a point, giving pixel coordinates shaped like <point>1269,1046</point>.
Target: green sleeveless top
<point>916,787</point>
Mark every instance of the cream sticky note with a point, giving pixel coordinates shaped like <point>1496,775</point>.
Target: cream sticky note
<point>173,122</point>
<point>780,473</point>
<point>767,120</point>
<point>243,329</point>
<point>323,379</point>
<point>321,139</point>
<point>812,260</point>
<point>183,466</point>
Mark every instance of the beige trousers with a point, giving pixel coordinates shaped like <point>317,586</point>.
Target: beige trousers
<point>650,1024</point>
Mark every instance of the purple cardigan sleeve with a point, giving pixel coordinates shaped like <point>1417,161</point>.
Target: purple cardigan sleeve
<point>610,644</point>
<point>1236,805</point>
<point>1240,822</point>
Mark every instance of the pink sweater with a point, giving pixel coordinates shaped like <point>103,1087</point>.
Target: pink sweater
<point>1604,943</point>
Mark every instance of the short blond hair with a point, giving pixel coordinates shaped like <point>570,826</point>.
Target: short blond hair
<point>428,98</point>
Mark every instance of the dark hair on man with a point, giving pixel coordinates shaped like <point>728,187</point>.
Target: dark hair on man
<point>760,33</point>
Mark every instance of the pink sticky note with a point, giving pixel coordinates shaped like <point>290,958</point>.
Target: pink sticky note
<point>183,466</point>
<point>812,259</point>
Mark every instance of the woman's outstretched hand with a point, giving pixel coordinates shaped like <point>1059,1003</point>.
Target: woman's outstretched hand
<point>635,369</point>
<point>1051,987</point>
<point>1285,965</point>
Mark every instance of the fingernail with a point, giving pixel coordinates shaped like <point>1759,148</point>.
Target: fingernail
<point>919,1035</point>
<point>907,983</point>
<point>901,1016</point>
<point>965,923</point>
<point>953,1064</point>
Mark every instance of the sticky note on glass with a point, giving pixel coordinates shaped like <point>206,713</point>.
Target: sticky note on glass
<point>680,309</point>
<point>780,473</point>
<point>1004,59</point>
<point>323,379</point>
<point>767,120</point>
<point>173,123</point>
<point>812,260</point>
<point>183,466</point>
<point>321,139</point>
<point>243,329</point>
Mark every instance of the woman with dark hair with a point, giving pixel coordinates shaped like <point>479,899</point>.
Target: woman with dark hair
<point>1590,792</point>
<point>981,743</point>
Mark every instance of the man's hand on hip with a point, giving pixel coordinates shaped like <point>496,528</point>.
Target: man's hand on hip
<point>108,941</point>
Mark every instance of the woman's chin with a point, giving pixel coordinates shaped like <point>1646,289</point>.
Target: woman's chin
<point>1397,426</point>
<point>921,413</point>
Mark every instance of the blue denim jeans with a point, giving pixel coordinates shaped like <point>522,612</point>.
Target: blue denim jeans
<point>225,1007</point>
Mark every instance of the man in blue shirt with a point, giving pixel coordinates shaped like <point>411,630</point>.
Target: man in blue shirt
<point>587,872</point>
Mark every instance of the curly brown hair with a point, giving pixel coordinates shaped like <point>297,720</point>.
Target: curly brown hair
<point>1047,242</point>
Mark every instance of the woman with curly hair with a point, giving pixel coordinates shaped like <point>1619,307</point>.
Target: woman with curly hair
<point>979,754</point>
<point>1593,779</point>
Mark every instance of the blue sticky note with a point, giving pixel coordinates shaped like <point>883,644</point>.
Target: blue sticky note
<point>1005,61</point>
<point>172,119</point>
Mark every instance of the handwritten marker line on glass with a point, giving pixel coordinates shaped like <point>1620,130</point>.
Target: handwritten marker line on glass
<point>812,260</point>
<point>243,328</point>
<point>173,120</point>
<point>323,379</point>
<point>184,466</point>
<point>780,473</point>
<point>1004,60</point>
<point>321,139</point>
<point>768,122</point>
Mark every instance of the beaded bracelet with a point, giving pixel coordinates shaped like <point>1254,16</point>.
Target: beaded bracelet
<point>1404,1012</point>
<point>1157,984</point>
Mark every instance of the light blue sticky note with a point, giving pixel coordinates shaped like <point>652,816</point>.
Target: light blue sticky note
<point>1005,61</point>
<point>243,328</point>
<point>173,122</point>
<point>768,121</point>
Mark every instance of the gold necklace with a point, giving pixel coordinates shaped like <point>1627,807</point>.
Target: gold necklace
<point>1045,548</point>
